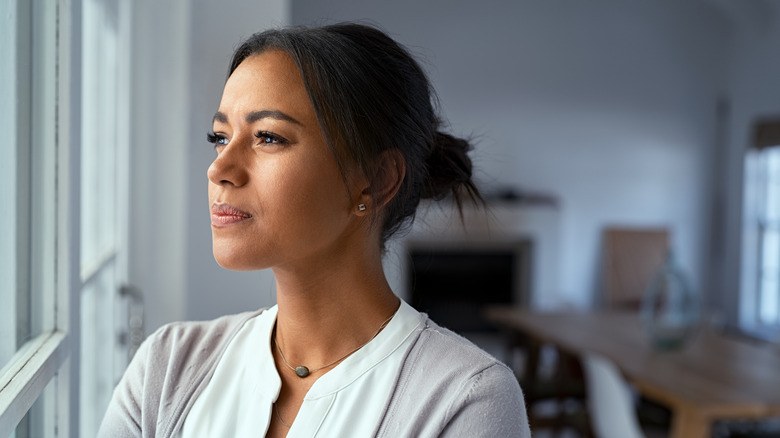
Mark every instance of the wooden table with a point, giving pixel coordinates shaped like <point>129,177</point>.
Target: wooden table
<point>714,376</point>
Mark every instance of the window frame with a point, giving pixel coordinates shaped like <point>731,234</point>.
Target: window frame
<point>54,352</point>
<point>755,182</point>
<point>763,225</point>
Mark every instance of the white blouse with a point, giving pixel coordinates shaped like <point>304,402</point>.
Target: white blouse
<point>347,401</point>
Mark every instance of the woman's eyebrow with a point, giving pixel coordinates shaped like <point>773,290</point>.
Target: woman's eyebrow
<point>273,114</point>
<point>258,115</point>
<point>219,117</point>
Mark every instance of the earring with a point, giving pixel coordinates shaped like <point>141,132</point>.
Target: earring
<point>361,207</point>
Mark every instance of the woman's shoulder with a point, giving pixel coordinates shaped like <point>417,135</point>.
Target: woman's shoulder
<point>185,334</point>
<point>179,349</point>
<point>443,347</point>
<point>456,364</point>
<point>166,373</point>
<point>450,387</point>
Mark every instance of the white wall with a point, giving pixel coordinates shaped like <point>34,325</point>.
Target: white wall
<point>218,28</point>
<point>181,54</point>
<point>158,157</point>
<point>608,105</point>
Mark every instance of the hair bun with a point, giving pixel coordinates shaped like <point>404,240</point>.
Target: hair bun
<point>449,170</point>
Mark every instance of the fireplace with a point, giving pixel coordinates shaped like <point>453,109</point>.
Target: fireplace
<point>454,281</point>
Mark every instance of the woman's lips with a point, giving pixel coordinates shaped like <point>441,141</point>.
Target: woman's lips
<point>223,215</point>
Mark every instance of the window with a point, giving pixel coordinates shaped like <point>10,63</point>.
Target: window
<point>761,233</point>
<point>768,224</point>
<point>35,342</point>
<point>64,192</point>
<point>103,198</point>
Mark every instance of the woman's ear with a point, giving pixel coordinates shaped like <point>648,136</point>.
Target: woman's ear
<point>384,184</point>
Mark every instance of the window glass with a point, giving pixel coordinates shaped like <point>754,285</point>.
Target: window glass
<point>104,195</point>
<point>14,169</point>
<point>769,237</point>
<point>98,360</point>
<point>33,343</point>
<point>98,134</point>
<point>28,174</point>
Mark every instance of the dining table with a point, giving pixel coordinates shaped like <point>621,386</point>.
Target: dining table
<point>712,376</point>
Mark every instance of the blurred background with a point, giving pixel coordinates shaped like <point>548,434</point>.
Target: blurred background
<point>635,114</point>
<point>587,119</point>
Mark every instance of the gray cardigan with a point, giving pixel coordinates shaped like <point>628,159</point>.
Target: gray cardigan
<point>446,387</point>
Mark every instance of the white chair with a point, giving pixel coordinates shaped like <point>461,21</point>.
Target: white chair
<point>610,405</point>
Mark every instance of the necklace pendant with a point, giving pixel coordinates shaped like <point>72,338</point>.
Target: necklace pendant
<point>301,371</point>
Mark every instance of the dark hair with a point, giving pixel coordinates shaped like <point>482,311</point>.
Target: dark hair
<point>370,96</point>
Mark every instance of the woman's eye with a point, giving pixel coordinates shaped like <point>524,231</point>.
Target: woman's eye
<point>269,138</point>
<point>216,139</point>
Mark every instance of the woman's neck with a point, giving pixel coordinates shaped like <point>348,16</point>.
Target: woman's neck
<point>326,312</point>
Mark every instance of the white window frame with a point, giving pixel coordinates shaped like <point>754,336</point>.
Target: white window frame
<point>769,297</point>
<point>55,134</point>
<point>753,316</point>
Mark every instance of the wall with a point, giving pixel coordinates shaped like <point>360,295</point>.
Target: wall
<point>181,52</point>
<point>608,105</point>
<point>158,151</point>
<point>218,29</point>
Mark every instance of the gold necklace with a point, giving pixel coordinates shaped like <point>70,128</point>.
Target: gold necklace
<point>303,371</point>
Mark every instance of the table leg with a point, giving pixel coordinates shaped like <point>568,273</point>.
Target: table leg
<point>690,423</point>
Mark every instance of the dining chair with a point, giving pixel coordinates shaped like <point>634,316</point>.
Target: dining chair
<point>631,257</point>
<point>610,404</point>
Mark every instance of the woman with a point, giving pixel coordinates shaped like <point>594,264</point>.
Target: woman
<point>326,141</point>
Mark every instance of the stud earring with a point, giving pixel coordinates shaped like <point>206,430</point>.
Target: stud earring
<point>361,207</point>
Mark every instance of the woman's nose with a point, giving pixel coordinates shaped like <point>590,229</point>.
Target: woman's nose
<point>229,168</point>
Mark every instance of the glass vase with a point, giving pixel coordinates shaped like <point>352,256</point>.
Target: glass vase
<point>669,310</point>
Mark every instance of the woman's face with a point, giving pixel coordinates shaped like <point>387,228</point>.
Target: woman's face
<point>277,196</point>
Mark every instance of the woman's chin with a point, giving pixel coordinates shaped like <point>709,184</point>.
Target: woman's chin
<point>235,260</point>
